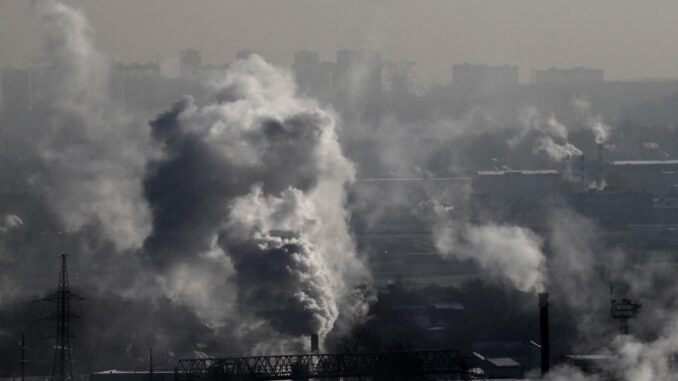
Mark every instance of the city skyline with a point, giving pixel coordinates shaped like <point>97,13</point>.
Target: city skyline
<point>610,35</point>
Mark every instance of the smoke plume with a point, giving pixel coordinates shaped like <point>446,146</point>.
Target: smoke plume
<point>257,174</point>
<point>600,130</point>
<point>92,153</point>
<point>510,254</point>
<point>552,136</point>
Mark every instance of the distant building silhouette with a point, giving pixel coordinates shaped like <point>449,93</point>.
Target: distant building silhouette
<point>190,62</point>
<point>358,73</point>
<point>243,54</point>
<point>16,91</point>
<point>564,76</point>
<point>313,77</point>
<point>471,79</point>
<point>357,85</point>
<point>135,84</point>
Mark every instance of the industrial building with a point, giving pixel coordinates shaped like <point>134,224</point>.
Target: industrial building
<point>614,208</point>
<point>499,187</point>
<point>652,176</point>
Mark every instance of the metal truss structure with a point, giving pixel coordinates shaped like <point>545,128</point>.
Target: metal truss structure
<point>419,365</point>
<point>623,310</point>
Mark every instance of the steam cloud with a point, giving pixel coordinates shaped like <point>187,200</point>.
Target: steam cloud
<point>236,203</point>
<point>93,153</point>
<point>259,175</point>
<point>507,253</point>
<point>552,136</point>
<point>600,130</point>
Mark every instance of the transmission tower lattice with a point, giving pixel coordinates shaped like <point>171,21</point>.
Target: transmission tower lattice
<point>61,367</point>
<point>623,310</point>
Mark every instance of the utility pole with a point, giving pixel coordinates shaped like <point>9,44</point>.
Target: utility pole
<point>62,367</point>
<point>23,358</point>
<point>150,364</point>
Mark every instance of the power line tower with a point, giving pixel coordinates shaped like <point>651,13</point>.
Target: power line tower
<point>623,310</point>
<point>61,367</point>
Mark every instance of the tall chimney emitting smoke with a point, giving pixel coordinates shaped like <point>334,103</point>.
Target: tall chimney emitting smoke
<point>544,332</point>
<point>600,164</point>
<point>315,343</point>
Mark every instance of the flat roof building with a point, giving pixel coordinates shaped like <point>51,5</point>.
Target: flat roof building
<point>566,76</point>
<point>473,80</point>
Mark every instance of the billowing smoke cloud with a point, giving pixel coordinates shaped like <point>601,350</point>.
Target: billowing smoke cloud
<point>236,203</point>
<point>259,175</point>
<point>9,222</point>
<point>595,123</point>
<point>266,240</point>
<point>552,136</point>
<point>509,254</point>
<point>93,154</point>
<point>555,151</point>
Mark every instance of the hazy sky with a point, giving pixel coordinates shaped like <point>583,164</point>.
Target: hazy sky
<point>628,38</point>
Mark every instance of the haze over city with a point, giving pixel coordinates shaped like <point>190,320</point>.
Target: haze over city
<point>357,190</point>
<point>618,36</point>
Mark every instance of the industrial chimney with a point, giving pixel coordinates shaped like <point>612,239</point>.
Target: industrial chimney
<point>315,343</point>
<point>582,166</point>
<point>544,332</point>
<point>601,175</point>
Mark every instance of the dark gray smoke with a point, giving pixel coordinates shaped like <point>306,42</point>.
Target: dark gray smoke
<point>236,202</point>
<point>257,174</point>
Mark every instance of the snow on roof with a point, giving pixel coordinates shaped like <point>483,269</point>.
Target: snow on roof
<point>503,362</point>
<point>520,172</point>
<point>645,162</point>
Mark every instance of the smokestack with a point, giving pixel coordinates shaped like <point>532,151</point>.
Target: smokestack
<point>315,343</point>
<point>544,332</point>
<point>582,166</point>
<point>600,164</point>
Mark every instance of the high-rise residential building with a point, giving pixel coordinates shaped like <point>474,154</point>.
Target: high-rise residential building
<point>306,68</point>
<point>473,79</point>
<point>16,91</point>
<point>135,84</point>
<point>190,62</point>
<point>573,75</point>
<point>358,73</point>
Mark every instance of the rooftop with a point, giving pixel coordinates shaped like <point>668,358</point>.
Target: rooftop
<point>645,162</point>
<point>448,306</point>
<point>503,362</point>
<point>519,172</point>
<point>593,357</point>
<point>412,179</point>
<point>116,371</point>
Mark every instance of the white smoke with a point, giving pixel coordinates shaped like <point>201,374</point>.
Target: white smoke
<point>555,151</point>
<point>268,179</point>
<point>580,261</point>
<point>552,136</point>
<point>600,130</point>
<point>510,254</point>
<point>93,153</point>
<point>10,221</point>
<point>212,196</point>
